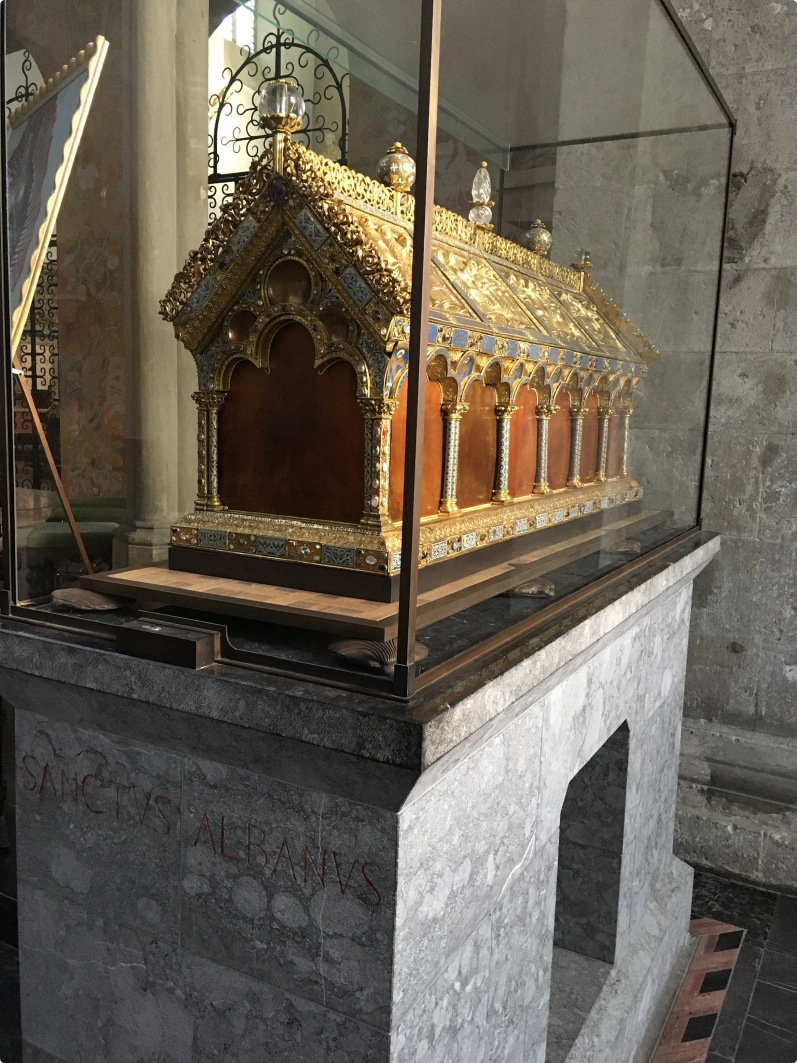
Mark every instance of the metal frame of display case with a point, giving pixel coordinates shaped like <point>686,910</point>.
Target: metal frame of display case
<point>404,682</point>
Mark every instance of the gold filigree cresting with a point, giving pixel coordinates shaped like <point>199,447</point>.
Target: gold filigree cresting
<point>636,340</point>
<point>372,226</point>
<point>218,234</point>
<point>306,172</point>
<point>354,186</point>
<point>592,323</point>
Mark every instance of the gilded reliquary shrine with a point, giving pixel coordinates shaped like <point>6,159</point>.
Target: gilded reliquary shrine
<point>296,310</point>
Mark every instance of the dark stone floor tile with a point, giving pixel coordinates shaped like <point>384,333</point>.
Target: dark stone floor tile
<point>783,932</point>
<point>728,1030</point>
<point>715,1057</point>
<point>761,1045</point>
<point>744,906</point>
<point>779,967</point>
<point>10,1034</point>
<point>8,923</point>
<point>775,1007</point>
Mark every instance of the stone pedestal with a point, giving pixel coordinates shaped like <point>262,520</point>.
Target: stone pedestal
<point>223,865</point>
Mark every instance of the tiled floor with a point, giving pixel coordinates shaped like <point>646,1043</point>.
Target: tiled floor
<point>758,1021</point>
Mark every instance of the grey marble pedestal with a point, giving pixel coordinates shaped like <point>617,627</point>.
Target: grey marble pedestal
<point>230,867</point>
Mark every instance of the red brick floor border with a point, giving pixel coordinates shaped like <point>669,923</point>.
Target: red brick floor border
<point>691,1004</point>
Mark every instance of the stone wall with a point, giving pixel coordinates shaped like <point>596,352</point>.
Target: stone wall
<point>743,653</point>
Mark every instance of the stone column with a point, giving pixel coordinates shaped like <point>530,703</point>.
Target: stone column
<point>452,416</point>
<point>378,415</point>
<point>191,90</point>
<point>625,417</point>
<point>544,411</point>
<point>605,414</point>
<point>208,405</point>
<point>577,415</point>
<point>503,415</point>
<point>161,160</point>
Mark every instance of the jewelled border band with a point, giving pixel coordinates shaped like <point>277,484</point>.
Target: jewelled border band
<point>360,547</point>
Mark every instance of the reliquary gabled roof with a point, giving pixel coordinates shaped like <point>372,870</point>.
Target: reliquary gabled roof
<point>481,283</point>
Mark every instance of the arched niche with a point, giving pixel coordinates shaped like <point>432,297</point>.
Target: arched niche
<point>432,452</point>
<point>559,443</point>
<point>291,440</point>
<point>523,444</point>
<point>590,864</point>
<point>589,442</point>
<point>591,832</point>
<point>477,447</point>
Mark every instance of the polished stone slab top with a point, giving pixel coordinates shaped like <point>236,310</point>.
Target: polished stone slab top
<point>413,735</point>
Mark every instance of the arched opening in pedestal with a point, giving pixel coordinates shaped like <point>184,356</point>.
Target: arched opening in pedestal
<point>591,832</point>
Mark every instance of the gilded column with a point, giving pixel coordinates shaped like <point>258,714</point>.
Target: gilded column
<point>377,416</point>
<point>577,415</point>
<point>625,416</point>
<point>544,411</point>
<point>503,415</point>
<point>605,414</point>
<point>208,405</point>
<point>452,416</point>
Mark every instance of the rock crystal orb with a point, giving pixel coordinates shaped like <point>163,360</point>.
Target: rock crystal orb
<point>281,105</point>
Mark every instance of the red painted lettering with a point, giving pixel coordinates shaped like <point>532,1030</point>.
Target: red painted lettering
<point>251,845</point>
<point>371,886</point>
<point>205,826</point>
<point>47,774</point>
<point>320,875</point>
<point>284,854</point>
<point>343,885</point>
<point>142,815</point>
<point>34,775</point>
<point>159,800</point>
<point>227,856</point>
<point>99,779</point>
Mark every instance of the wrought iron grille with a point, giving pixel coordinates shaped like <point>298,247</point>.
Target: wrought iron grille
<point>38,354</point>
<point>25,90</point>
<point>278,55</point>
<point>38,350</point>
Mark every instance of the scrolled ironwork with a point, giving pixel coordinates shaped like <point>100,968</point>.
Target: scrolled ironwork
<point>279,55</point>
<point>25,90</point>
<point>38,355</point>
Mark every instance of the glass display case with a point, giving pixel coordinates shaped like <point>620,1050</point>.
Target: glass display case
<point>298,291</point>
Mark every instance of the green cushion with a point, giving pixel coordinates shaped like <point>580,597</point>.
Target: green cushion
<point>97,536</point>
<point>92,510</point>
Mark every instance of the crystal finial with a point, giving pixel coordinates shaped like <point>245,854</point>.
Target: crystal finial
<point>480,193</point>
<point>538,239</point>
<point>397,168</point>
<point>583,260</point>
<point>480,213</point>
